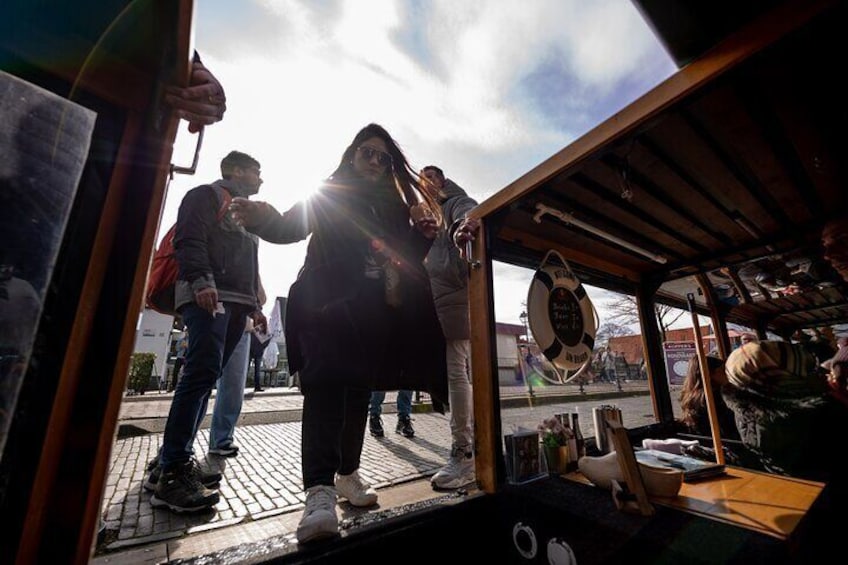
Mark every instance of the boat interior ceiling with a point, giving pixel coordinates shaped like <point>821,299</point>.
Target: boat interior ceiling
<point>726,177</point>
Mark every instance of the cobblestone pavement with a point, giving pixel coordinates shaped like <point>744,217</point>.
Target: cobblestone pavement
<point>265,480</point>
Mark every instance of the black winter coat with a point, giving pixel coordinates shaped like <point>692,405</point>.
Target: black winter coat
<point>212,250</point>
<point>338,326</point>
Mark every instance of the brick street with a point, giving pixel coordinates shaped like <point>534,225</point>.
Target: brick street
<point>264,480</point>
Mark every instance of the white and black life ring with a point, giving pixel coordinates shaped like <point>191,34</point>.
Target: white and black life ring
<point>561,315</point>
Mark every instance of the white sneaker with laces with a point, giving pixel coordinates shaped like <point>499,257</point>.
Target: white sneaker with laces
<point>459,471</point>
<point>355,490</point>
<point>319,518</point>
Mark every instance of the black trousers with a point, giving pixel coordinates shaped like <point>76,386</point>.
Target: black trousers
<point>257,371</point>
<point>333,429</point>
<point>341,351</point>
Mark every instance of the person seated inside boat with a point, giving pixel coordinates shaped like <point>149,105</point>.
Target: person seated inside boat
<point>784,411</point>
<point>693,400</point>
<point>834,240</point>
<point>695,417</point>
<point>837,367</point>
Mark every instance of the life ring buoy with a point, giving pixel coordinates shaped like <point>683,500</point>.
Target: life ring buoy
<point>560,314</point>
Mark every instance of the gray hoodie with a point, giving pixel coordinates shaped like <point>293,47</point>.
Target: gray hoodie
<point>448,271</point>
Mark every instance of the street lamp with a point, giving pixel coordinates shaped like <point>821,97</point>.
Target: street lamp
<point>523,317</point>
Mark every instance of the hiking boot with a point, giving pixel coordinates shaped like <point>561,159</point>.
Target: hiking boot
<point>404,426</point>
<point>457,473</point>
<point>151,474</point>
<point>180,490</point>
<point>375,423</point>
<point>319,518</point>
<point>226,451</point>
<point>355,490</point>
<point>208,477</point>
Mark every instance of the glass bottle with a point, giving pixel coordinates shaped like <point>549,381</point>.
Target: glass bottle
<point>578,434</point>
<point>571,442</point>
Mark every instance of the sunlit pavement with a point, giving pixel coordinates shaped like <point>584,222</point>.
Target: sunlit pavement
<point>264,480</point>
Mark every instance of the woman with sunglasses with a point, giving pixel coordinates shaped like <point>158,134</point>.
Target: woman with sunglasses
<point>360,316</point>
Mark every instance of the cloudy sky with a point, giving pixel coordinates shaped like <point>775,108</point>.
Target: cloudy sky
<point>486,90</point>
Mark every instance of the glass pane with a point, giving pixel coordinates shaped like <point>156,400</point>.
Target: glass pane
<point>44,141</point>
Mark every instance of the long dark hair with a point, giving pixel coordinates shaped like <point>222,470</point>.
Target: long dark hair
<point>693,400</point>
<point>403,176</point>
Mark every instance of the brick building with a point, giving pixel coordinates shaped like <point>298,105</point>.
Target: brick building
<point>631,345</point>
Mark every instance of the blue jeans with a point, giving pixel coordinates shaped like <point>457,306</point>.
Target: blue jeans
<point>230,395</point>
<point>211,342</point>
<point>404,403</point>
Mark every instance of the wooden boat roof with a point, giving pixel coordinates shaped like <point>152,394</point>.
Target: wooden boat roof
<point>734,164</point>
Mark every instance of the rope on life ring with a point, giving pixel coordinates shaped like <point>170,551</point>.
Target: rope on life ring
<point>561,315</point>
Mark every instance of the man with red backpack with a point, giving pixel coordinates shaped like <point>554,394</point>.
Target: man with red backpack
<point>217,288</point>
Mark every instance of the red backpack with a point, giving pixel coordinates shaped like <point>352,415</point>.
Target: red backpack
<point>162,279</point>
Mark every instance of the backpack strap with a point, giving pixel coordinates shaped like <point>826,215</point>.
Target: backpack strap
<point>225,197</point>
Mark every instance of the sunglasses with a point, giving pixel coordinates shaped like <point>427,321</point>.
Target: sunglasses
<point>368,153</point>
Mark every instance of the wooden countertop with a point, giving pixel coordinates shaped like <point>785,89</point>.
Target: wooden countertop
<point>769,504</point>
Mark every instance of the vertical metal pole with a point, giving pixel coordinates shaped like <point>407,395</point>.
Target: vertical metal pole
<point>527,376</point>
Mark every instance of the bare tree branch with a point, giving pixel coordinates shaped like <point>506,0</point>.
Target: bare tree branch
<point>623,312</point>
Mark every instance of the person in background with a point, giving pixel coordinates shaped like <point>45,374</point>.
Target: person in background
<point>217,289</point>
<point>180,350</point>
<point>609,366</point>
<point>449,280</point>
<point>820,349</point>
<point>834,240</point>
<point>693,400</point>
<point>404,410</point>
<point>257,350</point>
<point>360,315</point>
<point>229,397</point>
<point>621,361</point>
<point>837,367</point>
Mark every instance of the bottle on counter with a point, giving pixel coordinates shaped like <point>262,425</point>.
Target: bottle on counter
<point>566,420</point>
<point>579,440</point>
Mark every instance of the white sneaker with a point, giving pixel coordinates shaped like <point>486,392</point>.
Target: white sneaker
<point>457,473</point>
<point>355,490</point>
<point>319,518</point>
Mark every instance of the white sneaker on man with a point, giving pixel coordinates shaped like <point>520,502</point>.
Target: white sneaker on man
<point>355,490</point>
<point>319,519</point>
<point>459,471</point>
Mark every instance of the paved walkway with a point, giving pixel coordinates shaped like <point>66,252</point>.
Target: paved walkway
<point>265,479</point>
